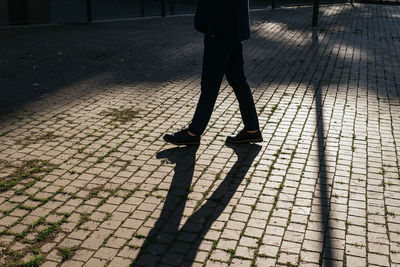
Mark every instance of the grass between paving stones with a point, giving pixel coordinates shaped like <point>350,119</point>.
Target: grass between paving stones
<point>94,192</point>
<point>107,238</point>
<point>32,139</point>
<point>5,133</point>
<point>67,253</point>
<point>19,191</point>
<point>100,159</point>
<point>156,189</point>
<point>30,228</point>
<point>43,234</point>
<point>31,169</point>
<point>84,218</point>
<point>15,258</point>
<point>33,262</point>
<point>122,116</point>
<point>19,206</point>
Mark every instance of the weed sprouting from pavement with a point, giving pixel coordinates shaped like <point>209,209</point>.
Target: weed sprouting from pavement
<point>67,253</point>
<point>28,170</point>
<point>122,116</point>
<point>33,139</point>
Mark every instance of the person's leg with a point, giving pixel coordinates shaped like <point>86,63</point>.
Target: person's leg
<point>215,58</point>
<point>237,80</point>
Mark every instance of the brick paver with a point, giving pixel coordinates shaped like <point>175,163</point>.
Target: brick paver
<point>86,179</point>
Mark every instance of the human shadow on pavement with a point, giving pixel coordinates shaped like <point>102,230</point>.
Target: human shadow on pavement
<point>167,224</point>
<point>171,245</point>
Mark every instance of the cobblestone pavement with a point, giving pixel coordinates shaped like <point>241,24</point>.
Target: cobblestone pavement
<point>86,179</point>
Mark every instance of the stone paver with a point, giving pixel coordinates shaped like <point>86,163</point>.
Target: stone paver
<point>86,179</point>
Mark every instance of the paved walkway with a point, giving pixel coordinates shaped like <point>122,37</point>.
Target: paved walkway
<point>86,178</point>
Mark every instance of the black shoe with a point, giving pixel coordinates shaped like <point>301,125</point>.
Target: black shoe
<point>182,138</point>
<point>245,137</point>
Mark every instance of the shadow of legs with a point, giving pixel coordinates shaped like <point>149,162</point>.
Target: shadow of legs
<point>167,243</point>
<point>166,227</point>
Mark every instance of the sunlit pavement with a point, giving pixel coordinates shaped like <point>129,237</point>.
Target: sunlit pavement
<point>86,178</point>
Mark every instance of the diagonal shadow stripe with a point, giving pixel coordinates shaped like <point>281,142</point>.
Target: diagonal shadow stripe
<point>326,255</point>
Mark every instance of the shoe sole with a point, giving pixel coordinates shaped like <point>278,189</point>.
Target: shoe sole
<point>183,144</point>
<point>259,140</point>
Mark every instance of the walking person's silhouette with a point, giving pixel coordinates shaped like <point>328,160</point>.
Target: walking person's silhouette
<point>225,24</point>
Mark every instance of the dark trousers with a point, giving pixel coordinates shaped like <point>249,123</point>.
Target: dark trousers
<point>223,57</point>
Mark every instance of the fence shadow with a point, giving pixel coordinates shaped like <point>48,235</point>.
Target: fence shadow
<point>166,242</point>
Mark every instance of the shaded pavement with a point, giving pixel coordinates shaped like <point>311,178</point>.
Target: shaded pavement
<point>87,180</point>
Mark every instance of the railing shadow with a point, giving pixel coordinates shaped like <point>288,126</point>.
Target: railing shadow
<point>166,243</point>
<point>322,174</point>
